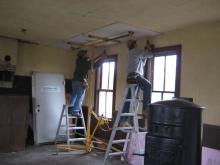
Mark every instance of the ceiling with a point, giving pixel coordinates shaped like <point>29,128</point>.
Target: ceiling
<point>51,22</point>
<point>107,35</point>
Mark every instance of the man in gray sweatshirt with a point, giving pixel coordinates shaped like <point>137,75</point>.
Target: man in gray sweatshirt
<point>135,72</point>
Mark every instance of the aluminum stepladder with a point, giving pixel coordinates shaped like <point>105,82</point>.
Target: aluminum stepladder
<point>134,104</point>
<point>67,131</point>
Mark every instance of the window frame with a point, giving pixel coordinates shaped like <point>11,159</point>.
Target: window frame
<point>98,82</point>
<point>165,51</point>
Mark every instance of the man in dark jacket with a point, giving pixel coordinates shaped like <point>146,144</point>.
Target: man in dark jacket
<point>79,83</point>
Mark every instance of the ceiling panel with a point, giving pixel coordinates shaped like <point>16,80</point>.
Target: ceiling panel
<point>105,35</point>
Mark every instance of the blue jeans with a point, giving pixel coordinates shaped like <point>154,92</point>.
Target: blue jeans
<point>77,97</point>
<point>145,86</point>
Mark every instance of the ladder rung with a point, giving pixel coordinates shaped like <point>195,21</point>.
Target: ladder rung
<point>62,136</point>
<point>129,100</point>
<point>73,117</point>
<point>77,139</point>
<point>140,117</point>
<point>125,128</point>
<point>127,114</point>
<point>72,125</point>
<point>120,141</point>
<point>73,128</point>
<point>71,134</point>
<point>117,153</point>
<point>143,129</point>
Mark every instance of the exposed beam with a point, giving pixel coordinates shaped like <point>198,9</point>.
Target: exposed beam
<point>102,38</point>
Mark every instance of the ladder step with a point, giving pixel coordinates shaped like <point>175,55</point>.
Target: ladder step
<point>140,117</point>
<point>72,125</point>
<point>61,136</point>
<point>120,141</point>
<point>117,153</point>
<point>142,129</point>
<point>73,128</point>
<point>129,100</point>
<point>124,128</point>
<point>127,114</point>
<point>77,139</point>
<point>73,117</point>
<point>65,135</point>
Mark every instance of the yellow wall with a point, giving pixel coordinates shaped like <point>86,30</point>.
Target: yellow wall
<point>8,47</point>
<point>44,59</point>
<point>200,68</point>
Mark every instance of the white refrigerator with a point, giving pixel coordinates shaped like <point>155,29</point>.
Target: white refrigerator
<point>48,93</point>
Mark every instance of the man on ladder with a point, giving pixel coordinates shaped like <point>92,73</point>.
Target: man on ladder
<point>135,74</point>
<point>130,102</point>
<point>79,83</point>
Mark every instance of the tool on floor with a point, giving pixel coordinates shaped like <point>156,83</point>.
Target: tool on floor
<point>70,130</point>
<point>90,138</point>
<point>134,101</point>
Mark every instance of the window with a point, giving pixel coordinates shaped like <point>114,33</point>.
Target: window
<point>105,87</point>
<point>164,73</point>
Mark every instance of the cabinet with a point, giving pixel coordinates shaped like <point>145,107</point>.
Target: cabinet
<point>13,122</point>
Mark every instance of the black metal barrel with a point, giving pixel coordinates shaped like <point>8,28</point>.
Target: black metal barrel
<point>174,133</point>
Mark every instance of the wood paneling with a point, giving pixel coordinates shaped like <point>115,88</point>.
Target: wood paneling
<point>13,125</point>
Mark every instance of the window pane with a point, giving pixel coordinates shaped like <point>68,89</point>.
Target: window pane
<point>109,101</point>
<point>156,96</point>
<point>168,96</point>
<point>158,81</point>
<point>105,73</point>
<point>111,75</point>
<point>170,73</point>
<point>102,103</point>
